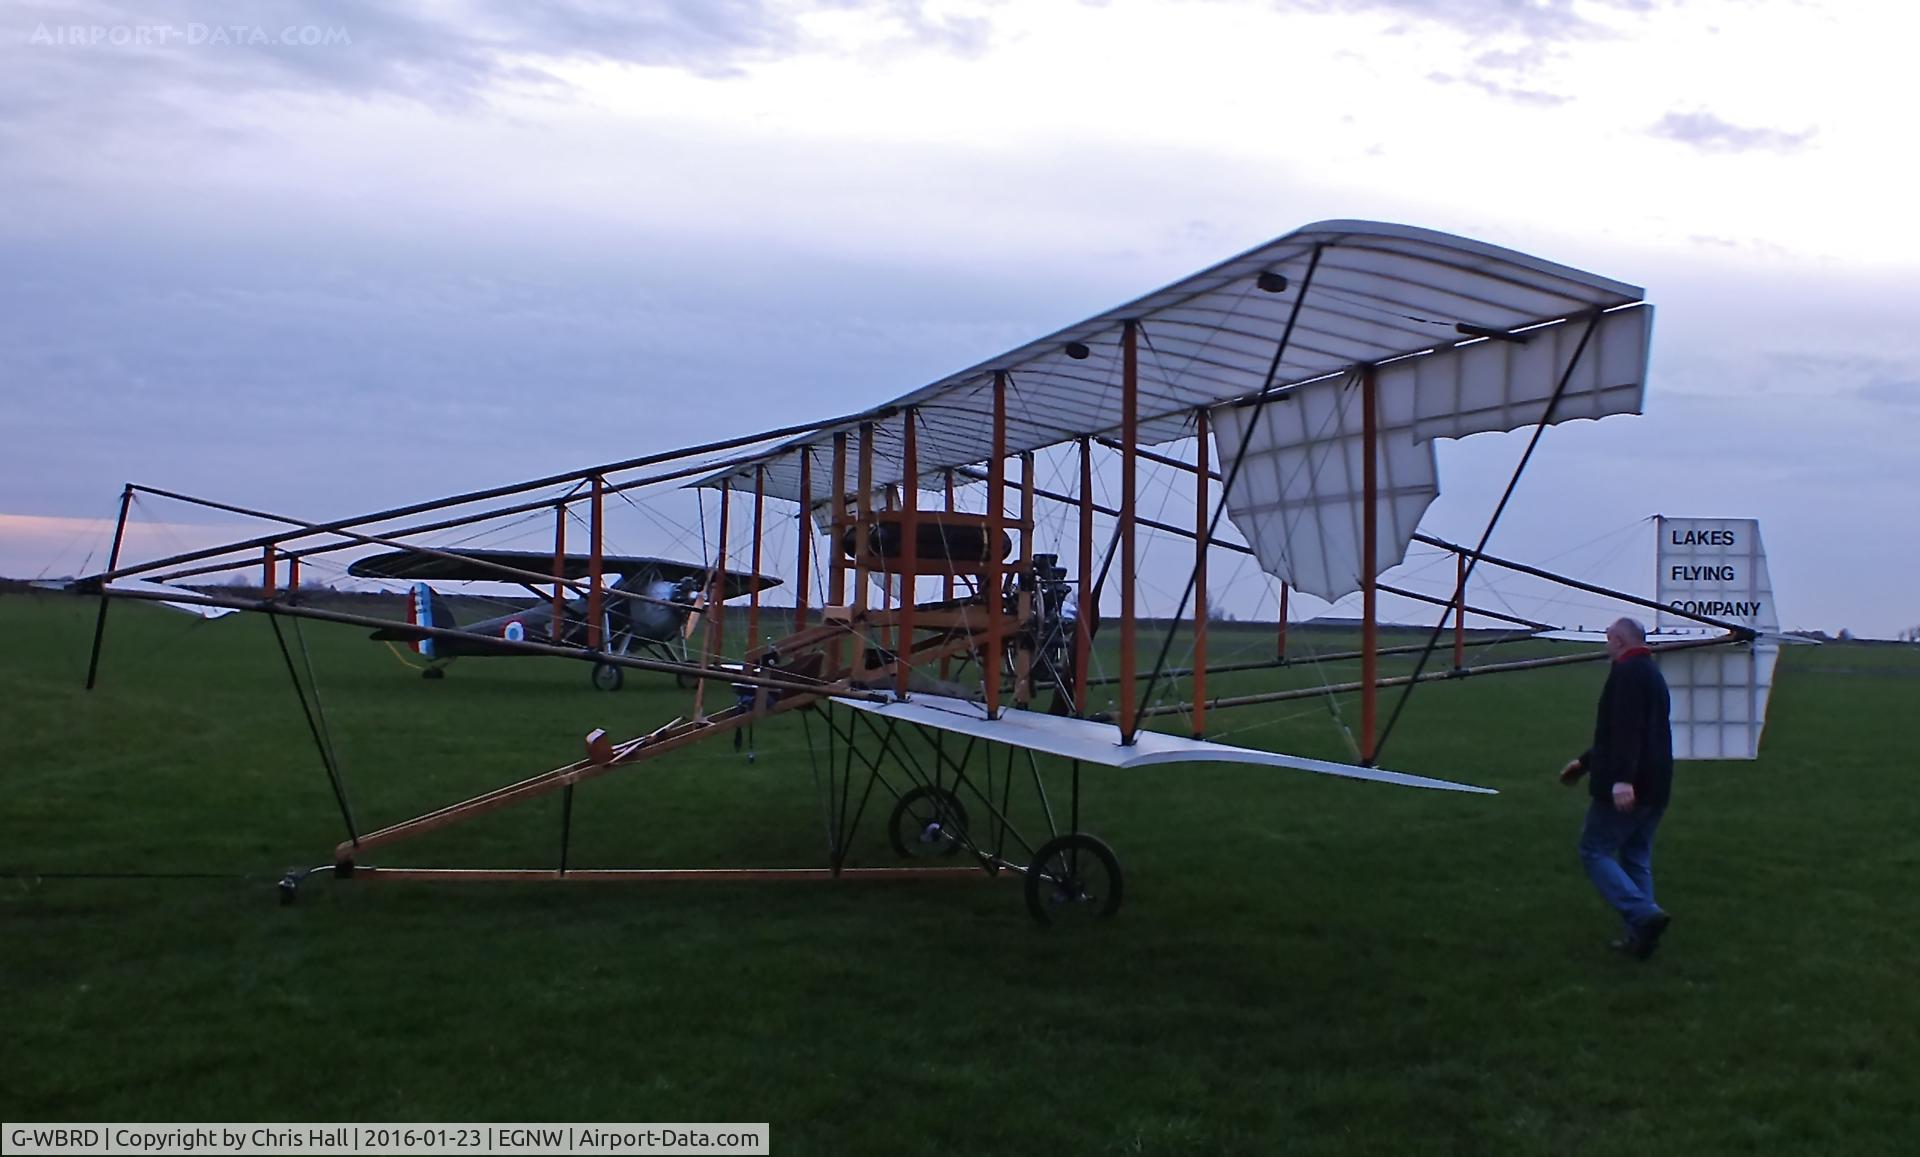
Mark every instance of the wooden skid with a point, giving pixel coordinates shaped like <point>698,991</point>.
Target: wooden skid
<point>664,875</point>
<point>669,738</point>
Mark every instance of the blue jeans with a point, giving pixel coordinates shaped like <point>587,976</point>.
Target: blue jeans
<point>1616,848</point>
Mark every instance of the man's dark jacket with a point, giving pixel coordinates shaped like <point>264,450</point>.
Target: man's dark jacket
<point>1633,734</point>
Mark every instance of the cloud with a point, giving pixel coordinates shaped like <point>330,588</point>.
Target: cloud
<point>1869,371</point>
<point>1763,248</point>
<point>1537,22</point>
<point>122,65</point>
<point>1537,98</point>
<point>1512,43</point>
<point>1708,133</point>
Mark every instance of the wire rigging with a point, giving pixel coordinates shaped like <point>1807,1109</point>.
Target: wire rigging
<point>1473,560</point>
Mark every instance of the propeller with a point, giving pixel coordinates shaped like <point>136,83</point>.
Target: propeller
<point>695,598</point>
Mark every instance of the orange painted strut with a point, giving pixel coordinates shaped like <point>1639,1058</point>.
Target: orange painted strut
<point>910,551</point>
<point>836,558</point>
<point>753,597</point>
<point>946,582</point>
<point>996,520</point>
<point>1023,658</point>
<point>1460,611</point>
<point>804,538</point>
<point>1369,568</point>
<point>559,571</point>
<point>1129,441</point>
<point>717,608</point>
<point>863,522</point>
<point>596,562</point>
<point>1200,575</point>
<point>1087,611</point>
<point>1283,621</point>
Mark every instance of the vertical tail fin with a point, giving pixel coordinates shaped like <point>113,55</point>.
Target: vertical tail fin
<point>428,609</point>
<point>1717,567</point>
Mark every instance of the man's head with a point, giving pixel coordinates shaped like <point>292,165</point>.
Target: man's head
<point>1623,636</point>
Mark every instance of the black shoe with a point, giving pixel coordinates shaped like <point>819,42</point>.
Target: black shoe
<point>1646,937</point>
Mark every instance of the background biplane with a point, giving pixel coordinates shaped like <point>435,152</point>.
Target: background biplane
<point>651,604</point>
<point>1294,395</point>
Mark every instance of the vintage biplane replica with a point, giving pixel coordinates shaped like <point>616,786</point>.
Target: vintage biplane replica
<point>941,641</point>
<point>651,604</point>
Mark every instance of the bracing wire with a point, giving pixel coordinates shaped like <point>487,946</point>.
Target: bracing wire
<point>1546,419</point>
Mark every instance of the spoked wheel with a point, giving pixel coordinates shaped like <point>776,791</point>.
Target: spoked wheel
<point>1072,878</point>
<point>608,677</point>
<point>928,821</point>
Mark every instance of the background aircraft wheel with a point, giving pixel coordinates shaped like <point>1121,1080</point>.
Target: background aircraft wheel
<point>928,821</point>
<point>434,673</point>
<point>1073,877</point>
<point>684,682</point>
<point>289,889</point>
<point>608,677</point>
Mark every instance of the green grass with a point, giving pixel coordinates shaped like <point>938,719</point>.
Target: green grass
<point>1303,964</point>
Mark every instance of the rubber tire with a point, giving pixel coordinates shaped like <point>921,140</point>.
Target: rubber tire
<point>608,677</point>
<point>434,673</point>
<point>948,804</point>
<point>1087,846</point>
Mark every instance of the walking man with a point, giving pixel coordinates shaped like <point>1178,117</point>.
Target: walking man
<point>1630,773</point>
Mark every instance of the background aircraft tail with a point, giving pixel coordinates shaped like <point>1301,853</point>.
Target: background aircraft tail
<point>428,609</point>
<point>1717,567</point>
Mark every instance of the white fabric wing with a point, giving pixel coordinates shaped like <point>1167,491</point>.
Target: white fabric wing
<point>1377,292</point>
<point>1299,496</point>
<point>1499,385</point>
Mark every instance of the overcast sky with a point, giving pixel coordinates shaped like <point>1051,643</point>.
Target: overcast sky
<point>322,258</point>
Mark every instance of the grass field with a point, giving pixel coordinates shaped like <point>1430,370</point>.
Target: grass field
<point>1304,965</point>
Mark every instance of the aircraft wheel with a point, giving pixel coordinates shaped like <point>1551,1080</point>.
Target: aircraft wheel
<point>1072,878</point>
<point>927,822</point>
<point>289,888</point>
<point>434,673</point>
<point>608,677</point>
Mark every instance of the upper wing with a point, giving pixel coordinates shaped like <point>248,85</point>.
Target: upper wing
<point>1340,293</point>
<point>142,587</point>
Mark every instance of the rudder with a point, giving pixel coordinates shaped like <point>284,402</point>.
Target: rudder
<point>1717,567</point>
